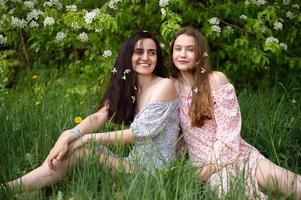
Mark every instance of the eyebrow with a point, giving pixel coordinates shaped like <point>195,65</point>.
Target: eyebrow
<point>146,49</point>
<point>184,45</point>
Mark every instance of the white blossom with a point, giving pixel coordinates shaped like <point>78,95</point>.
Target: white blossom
<point>127,71</point>
<point>133,99</point>
<point>229,29</point>
<point>71,8</point>
<point>114,70</point>
<point>60,36</point>
<point>196,90</point>
<point>278,26</point>
<point>11,11</point>
<point>244,17</point>
<point>33,24</point>
<point>285,2</point>
<point>271,40</point>
<point>29,4</point>
<point>75,25</point>
<point>48,21</point>
<point>260,2</point>
<point>34,14</point>
<point>295,6</point>
<point>113,4</point>
<point>16,22</point>
<point>163,3</point>
<point>3,39</point>
<point>162,45</point>
<point>107,53</point>
<point>214,21</point>
<point>89,16</point>
<point>83,37</point>
<point>283,46</point>
<point>289,14</point>
<point>98,30</point>
<point>216,29</point>
<point>56,3</point>
<point>255,2</point>
<point>264,29</point>
<point>163,12</point>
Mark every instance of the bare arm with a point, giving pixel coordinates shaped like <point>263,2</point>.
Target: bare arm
<point>88,125</point>
<point>115,137</point>
<point>108,138</point>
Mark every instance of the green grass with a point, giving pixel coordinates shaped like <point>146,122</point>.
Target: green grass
<point>271,123</point>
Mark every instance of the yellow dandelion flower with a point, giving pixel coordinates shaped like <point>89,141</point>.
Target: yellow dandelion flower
<point>38,103</point>
<point>82,102</point>
<point>78,120</point>
<point>34,77</point>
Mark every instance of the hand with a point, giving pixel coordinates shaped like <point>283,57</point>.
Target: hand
<point>206,171</point>
<point>59,150</point>
<point>78,143</point>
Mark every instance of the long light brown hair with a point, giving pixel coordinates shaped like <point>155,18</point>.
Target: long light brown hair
<point>201,105</point>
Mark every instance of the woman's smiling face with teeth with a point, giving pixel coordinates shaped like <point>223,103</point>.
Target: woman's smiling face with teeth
<point>144,56</point>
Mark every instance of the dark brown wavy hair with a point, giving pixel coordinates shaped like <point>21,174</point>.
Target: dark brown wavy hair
<point>119,93</point>
<point>201,106</point>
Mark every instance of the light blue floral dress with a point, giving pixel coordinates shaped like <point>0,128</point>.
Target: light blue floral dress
<point>156,128</point>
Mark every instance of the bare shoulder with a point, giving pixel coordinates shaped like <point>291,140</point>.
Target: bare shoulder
<point>217,79</point>
<point>164,90</point>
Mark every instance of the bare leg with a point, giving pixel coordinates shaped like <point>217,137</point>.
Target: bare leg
<point>271,176</point>
<point>44,176</point>
<point>115,163</point>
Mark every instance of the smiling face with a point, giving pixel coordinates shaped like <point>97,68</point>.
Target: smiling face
<point>144,56</point>
<point>184,54</point>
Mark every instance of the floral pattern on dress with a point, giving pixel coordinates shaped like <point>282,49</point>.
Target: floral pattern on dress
<point>218,141</point>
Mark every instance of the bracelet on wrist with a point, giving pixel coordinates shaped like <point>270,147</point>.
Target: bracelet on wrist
<point>76,132</point>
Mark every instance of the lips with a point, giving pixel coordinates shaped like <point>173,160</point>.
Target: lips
<point>182,61</point>
<point>143,64</point>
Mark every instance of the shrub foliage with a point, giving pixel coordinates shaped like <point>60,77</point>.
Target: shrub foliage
<point>254,40</point>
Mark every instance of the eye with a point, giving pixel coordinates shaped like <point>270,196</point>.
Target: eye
<point>151,52</point>
<point>190,49</point>
<point>177,49</point>
<point>138,51</point>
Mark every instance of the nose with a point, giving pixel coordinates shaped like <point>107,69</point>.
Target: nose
<point>183,53</point>
<point>144,55</point>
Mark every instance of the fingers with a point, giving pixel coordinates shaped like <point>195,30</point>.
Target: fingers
<point>62,153</point>
<point>206,172</point>
<point>52,156</point>
<point>50,162</point>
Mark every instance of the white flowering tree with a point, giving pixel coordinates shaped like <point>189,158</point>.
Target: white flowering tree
<point>250,39</point>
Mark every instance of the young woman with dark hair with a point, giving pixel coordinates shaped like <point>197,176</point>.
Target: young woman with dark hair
<point>138,95</point>
<point>211,123</point>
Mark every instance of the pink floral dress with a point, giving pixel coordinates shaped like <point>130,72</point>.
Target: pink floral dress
<point>218,141</point>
